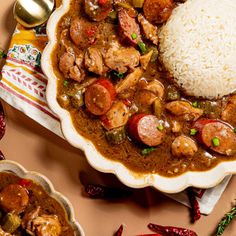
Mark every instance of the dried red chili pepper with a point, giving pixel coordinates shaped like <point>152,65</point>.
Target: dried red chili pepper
<point>2,157</point>
<point>170,230</point>
<point>196,214</point>
<point>104,192</point>
<point>119,231</point>
<point>150,235</point>
<point>2,123</point>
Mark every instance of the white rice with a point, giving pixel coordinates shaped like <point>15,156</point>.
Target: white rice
<point>198,47</point>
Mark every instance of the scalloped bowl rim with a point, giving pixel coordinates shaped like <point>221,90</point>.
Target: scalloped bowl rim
<point>19,170</point>
<point>132,179</point>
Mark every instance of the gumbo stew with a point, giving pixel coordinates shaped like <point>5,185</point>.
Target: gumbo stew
<point>26,209</point>
<point>122,99</point>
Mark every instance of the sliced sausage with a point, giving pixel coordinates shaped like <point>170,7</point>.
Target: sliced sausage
<point>83,32</point>
<point>129,27</point>
<point>116,117</point>
<point>209,129</point>
<point>14,198</point>
<point>183,146</point>
<point>99,97</point>
<point>97,10</point>
<point>143,128</point>
<point>157,11</point>
<point>150,31</point>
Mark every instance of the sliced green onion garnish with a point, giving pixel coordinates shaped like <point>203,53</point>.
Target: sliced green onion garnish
<point>119,75</point>
<point>216,142</point>
<point>193,132</point>
<point>134,36</point>
<point>146,151</point>
<point>160,127</point>
<point>142,47</point>
<point>195,104</point>
<point>234,130</point>
<point>65,83</point>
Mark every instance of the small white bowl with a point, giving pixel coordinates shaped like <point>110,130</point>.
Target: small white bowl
<point>205,179</point>
<point>17,169</point>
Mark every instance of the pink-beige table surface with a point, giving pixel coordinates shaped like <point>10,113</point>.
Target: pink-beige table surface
<point>40,150</point>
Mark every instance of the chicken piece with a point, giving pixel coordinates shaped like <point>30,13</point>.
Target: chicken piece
<point>28,217</point>
<point>176,126</point>
<point>147,93</point>
<point>122,59</point>
<point>145,59</point>
<point>150,31</point>
<point>183,146</point>
<point>94,61</point>
<point>144,98</point>
<point>116,117</point>
<point>3,233</point>
<point>229,113</point>
<point>70,66</point>
<point>130,80</point>
<point>156,87</point>
<point>65,63</point>
<point>44,225</point>
<point>184,110</point>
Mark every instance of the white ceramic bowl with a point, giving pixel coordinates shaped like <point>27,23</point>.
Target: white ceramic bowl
<point>135,180</point>
<point>13,167</point>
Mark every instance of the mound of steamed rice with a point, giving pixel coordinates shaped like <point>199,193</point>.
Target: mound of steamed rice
<point>198,47</point>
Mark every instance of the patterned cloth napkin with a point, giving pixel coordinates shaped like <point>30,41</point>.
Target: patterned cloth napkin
<point>23,86</point>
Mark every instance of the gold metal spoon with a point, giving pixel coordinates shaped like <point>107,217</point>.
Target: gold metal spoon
<point>31,13</point>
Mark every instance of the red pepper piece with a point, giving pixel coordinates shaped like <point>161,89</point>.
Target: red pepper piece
<point>127,102</point>
<point>91,31</point>
<point>103,192</point>
<point>196,214</point>
<point>105,121</point>
<point>102,2</point>
<point>150,235</point>
<point>119,231</point>
<point>171,230</point>
<point>2,123</point>
<point>24,183</point>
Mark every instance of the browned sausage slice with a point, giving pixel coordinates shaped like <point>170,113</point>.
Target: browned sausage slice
<point>143,128</point>
<point>157,11</point>
<point>99,97</point>
<point>83,32</point>
<point>224,136</point>
<point>129,27</point>
<point>97,10</point>
<point>14,198</point>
